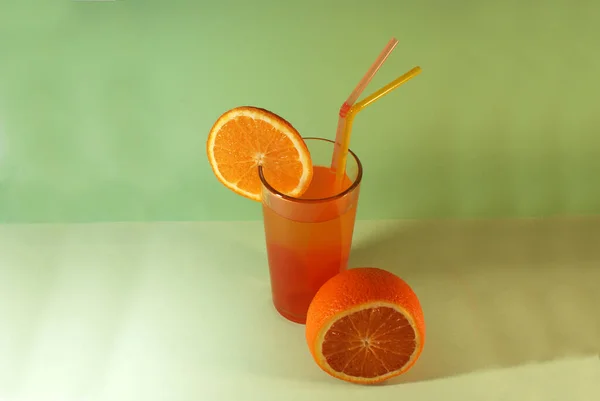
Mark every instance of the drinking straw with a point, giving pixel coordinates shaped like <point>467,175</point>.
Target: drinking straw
<point>340,168</point>
<point>364,82</point>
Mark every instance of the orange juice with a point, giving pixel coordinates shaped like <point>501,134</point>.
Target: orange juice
<point>308,241</point>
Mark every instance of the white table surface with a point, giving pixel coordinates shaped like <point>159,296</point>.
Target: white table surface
<point>182,311</point>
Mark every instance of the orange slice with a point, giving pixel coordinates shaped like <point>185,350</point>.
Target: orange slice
<point>365,326</point>
<point>247,137</point>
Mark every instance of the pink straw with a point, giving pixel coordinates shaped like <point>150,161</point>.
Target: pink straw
<point>364,82</point>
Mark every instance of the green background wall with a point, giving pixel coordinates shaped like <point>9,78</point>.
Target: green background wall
<point>105,106</point>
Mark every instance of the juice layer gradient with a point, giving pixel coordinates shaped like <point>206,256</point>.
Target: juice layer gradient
<point>305,252</point>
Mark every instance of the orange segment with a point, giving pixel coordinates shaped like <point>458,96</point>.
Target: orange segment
<point>365,326</point>
<point>247,137</point>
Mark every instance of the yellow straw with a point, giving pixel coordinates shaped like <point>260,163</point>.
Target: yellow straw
<point>341,167</point>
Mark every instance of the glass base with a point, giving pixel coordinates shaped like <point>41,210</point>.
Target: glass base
<point>290,316</point>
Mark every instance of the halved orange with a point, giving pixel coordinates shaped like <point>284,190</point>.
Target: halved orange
<point>247,137</point>
<point>365,325</point>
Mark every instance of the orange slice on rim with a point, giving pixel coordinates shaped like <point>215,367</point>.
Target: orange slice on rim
<point>247,137</point>
<point>365,326</point>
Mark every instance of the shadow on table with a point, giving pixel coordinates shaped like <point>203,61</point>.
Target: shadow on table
<point>494,293</point>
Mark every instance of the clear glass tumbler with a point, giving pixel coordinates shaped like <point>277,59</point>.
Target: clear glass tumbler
<point>309,238</point>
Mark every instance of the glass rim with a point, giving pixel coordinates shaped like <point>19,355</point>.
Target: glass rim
<point>348,190</point>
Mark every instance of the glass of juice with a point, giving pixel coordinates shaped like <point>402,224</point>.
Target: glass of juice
<point>309,238</point>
